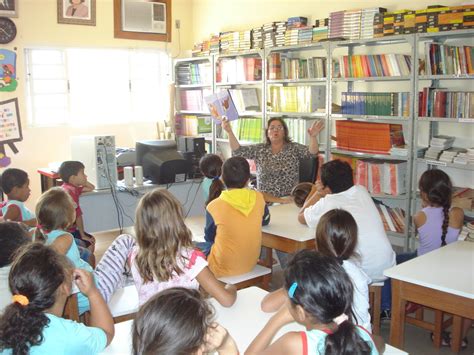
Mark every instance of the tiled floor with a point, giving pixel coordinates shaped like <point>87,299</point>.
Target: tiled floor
<point>417,340</point>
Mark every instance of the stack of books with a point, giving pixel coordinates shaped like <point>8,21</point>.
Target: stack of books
<point>467,232</point>
<point>245,40</point>
<point>225,39</point>
<point>404,22</point>
<point>214,42</point>
<point>359,66</point>
<point>305,35</point>
<point>257,38</point>
<point>466,158</point>
<point>194,73</point>
<point>280,29</point>
<point>234,42</point>
<point>463,197</point>
<point>443,18</point>
<point>448,155</point>
<point>393,218</point>
<point>376,103</point>
<point>320,29</point>
<point>268,32</point>
<point>367,21</point>
<point>434,102</point>
<point>351,28</point>
<point>199,50</point>
<point>449,60</point>
<point>304,99</point>
<point>381,177</point>
<point>191,125</point>
<point>368,137</point>
<point>336,24</point>
<point>437,145</point>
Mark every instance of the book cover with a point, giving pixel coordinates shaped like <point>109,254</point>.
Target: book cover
<point>220,105</point>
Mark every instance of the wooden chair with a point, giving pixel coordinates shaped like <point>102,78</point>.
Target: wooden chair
<point>124,304</point>
<point>71,310</point>
<point>375,302</point>
<point>259,276</point>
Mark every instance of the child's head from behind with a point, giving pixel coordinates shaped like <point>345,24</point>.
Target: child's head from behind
<point>55,209</point>
<point>37,278</point>
<point>161,235</point>
<point>12,237</point>
<point>175,321</point>
<point>300,192</point>
<point>336,234</point>
<point>72,172</point>
<point>211,167</point>
<point>337,175</point>
<point>436,188</point>
<point>321,292</point>
<point>236,173</point>
<point>15,184</point>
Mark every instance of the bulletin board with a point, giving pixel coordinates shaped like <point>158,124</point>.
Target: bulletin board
<point>10,125</point>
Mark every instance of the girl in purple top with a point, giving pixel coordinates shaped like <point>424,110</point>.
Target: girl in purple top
<point>437,223</point>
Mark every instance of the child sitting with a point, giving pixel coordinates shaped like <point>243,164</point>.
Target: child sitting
<point>12,237</point>
<point>75,183</point>
<point>320,297</point>
<point>183,312</point>
<point>301,192</point>
<point>56,213</point>
<point>336,236</point>
<point>16,185</point>
<point>165,257</point>
<point>211,167</point>
<point>40,281</point>
<point>234,222</point>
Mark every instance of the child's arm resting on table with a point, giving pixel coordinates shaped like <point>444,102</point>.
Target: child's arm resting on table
<point>224,294</point>
<point>100,313</point>
<point>273,301</point>
<point>290,343</point>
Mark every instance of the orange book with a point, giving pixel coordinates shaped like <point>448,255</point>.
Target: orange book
<point>385,66</point>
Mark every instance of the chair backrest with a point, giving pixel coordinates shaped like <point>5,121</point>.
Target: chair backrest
<point>308,169</point>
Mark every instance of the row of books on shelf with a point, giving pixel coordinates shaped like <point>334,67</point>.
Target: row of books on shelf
<point>376,103</point>
<point>191,125</point>
<point>353,24</point>
<point>377,65</point>
<point>297,129</point>
<point>369,137</point>
<point>281,66</point>
<point>393,218</point>
<point>443,59</point>
<point>437,102</point>
<point>305,99</point>
<point>441,149</point>
<point>246,129</point>
<point>193,100</point>
<point>234,70</point>
<point>194,73</point>
<point>434,18</point>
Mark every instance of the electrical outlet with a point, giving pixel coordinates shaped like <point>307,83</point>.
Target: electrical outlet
<point>177,23</point>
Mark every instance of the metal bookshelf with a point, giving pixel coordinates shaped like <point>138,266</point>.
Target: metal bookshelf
<point>436,124</point>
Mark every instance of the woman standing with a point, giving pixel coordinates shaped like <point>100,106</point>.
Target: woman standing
<point>278,159</point>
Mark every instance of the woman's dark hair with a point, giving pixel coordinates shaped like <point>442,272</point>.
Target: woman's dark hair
<point>36,273</point>
<point>12,236</point>
<point>285,129</point>
<point>337,175</point>
<point>236,172</point>
<point>324,291</point>
<point>300,193</point>
<point>211,167</point>
<point>336,234</point>
<point>175,321</point>
<point>13,178</point>
<point>438,188</point>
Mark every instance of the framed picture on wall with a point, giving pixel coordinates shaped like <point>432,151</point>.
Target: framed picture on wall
<point>143,19</point>
<point>9,8</point>
<point>76,12</point>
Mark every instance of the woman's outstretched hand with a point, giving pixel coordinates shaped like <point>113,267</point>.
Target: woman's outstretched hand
<point>226,125</point>
<point>315,128</point>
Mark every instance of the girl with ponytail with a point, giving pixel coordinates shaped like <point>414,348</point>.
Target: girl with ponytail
<point>437,223</point>
<point>40,281</point>
<point>320,298</point>
<point>211,167</point>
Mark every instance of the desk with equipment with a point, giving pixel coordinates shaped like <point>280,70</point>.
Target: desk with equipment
<point>243,321</point>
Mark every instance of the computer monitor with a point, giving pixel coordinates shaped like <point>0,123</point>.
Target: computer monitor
<point>161,161</point>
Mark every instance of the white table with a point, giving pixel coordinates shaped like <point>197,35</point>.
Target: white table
<point>243,321</point>
<point>285,233</point>
<point>442,279</point>
<point>99,212</point>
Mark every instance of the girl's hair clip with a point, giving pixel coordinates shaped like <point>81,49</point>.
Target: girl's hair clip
<point>216,178</point>
<point>292,289</point>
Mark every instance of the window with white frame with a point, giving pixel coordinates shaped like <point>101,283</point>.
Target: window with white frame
<point>80,86</point>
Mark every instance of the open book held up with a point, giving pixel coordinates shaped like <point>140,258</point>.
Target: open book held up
<point>220,105</point>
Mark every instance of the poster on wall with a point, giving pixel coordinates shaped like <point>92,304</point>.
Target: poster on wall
<point>10,128</point>
<point>8,80</point>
